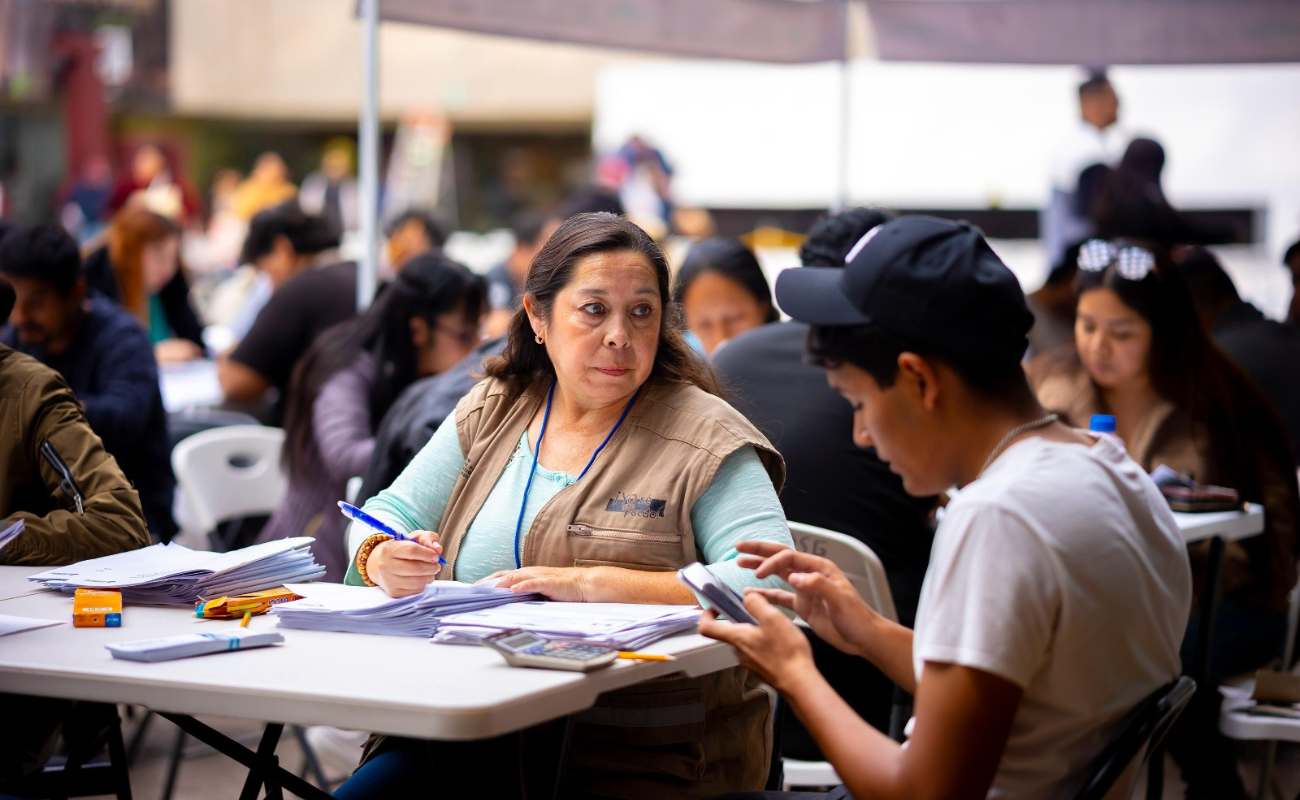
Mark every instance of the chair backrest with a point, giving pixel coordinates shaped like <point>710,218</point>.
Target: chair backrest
<point>1140,734</point>
<point>230,472</point>
<point>857,561</point>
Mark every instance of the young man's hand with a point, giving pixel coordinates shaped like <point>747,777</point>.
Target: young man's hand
<point>823,595</point>
<point>775,648</point>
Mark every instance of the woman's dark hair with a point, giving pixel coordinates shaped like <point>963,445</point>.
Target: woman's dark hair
<point>1189,370</point>
<point>730,259</point>
<point>428,286</point>
<point>524,361</point>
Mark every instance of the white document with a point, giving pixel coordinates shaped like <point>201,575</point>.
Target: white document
<point>11,624</point>
<point>367,609</point>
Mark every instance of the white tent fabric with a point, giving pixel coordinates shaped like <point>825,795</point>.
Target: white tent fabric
<point>1088,32</point>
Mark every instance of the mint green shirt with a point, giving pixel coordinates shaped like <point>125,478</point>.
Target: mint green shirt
<point>739,504</point>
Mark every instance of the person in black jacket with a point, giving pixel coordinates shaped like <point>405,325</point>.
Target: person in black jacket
<point>140,269</point>
<point>103,354</point>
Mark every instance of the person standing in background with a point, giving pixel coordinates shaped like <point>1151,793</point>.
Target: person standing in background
<point>1065,219</point>
<point>331,192</point>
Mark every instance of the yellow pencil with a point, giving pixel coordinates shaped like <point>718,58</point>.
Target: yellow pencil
<point>645,656</point>
<point>247,616</point>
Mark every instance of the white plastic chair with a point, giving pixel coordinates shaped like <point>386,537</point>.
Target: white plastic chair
<point>229,473</point>
<point>863,569</point>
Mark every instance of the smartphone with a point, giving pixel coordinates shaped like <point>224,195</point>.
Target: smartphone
<point>714,593</point>
<point>527,649</point>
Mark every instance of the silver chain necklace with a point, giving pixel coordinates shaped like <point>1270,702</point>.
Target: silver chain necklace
<point>1016,431</point>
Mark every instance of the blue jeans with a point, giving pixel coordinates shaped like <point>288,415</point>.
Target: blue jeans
<point>413,768</point>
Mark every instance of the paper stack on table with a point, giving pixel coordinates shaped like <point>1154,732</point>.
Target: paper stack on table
<point>626,626</point>
<point>366,609</point>
<point>174,575</point>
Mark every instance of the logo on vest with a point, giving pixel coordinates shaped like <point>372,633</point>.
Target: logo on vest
<point>630,505</point>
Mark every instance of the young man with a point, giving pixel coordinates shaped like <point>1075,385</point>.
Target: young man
<point>310,291</point>
<point>829,482</point>
<point>36,407</point>
<point>102,353</point>
<point>1058,587</point>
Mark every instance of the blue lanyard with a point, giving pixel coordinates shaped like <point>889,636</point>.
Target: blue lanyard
<point>538,449</point>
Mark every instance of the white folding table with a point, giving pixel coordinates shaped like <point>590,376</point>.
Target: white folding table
<point>396,685</point>
<point>1217,527</point>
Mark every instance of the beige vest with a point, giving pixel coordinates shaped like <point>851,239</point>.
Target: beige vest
<point>676,737</point>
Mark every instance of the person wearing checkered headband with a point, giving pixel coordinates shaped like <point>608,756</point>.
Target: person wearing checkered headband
<point>1178,400</point>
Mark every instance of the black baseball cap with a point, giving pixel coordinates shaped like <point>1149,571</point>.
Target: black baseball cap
<point>931,280</point>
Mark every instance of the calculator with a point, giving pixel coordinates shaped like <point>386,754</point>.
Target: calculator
<point>526,649</point>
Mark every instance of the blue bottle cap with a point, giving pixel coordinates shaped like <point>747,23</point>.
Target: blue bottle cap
<point>1102,423</point>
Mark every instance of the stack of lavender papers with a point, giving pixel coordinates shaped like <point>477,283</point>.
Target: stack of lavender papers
<point>170,574</point>
<point>366,609</point>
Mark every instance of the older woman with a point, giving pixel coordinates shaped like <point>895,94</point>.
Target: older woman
<point>595,460</point>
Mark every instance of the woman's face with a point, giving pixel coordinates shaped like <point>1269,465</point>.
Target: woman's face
<point>1114,340</point>
<point>442,345</point>
<point>159,262</point>
<point>603,330</point>
<point>717,308</point>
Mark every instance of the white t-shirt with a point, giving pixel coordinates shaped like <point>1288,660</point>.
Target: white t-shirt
<point>1062,570</point>
<point>1084,146</point>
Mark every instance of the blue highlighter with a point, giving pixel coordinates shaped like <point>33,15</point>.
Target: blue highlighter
<point>352,512</point>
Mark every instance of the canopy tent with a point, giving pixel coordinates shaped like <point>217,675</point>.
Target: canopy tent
<point>1096,32</point>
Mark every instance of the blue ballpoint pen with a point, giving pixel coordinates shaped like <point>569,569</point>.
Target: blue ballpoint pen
<point>352,512</point>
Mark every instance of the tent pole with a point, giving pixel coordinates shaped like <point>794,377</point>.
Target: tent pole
<point>842,163</point>
<point>368,148</point>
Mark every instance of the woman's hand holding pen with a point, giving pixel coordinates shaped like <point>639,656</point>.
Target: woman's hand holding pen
<point>403,568</point>
<point>823,596</point>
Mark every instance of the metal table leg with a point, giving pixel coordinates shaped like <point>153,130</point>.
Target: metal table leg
<point>263,765</point>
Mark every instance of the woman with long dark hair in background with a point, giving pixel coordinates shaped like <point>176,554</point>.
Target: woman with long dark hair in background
<point>1178,400</point>
<point>424,322</point>
<point>722,292</point>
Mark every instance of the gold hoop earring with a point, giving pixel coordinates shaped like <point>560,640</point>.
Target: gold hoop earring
<point>538,338</point>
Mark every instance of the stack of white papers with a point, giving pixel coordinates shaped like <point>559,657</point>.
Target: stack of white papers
<point>171,574</point>
<point>626,626</point>
<point>366,609</point>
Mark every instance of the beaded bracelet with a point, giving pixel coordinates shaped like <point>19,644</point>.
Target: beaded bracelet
<point>363,554</point>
